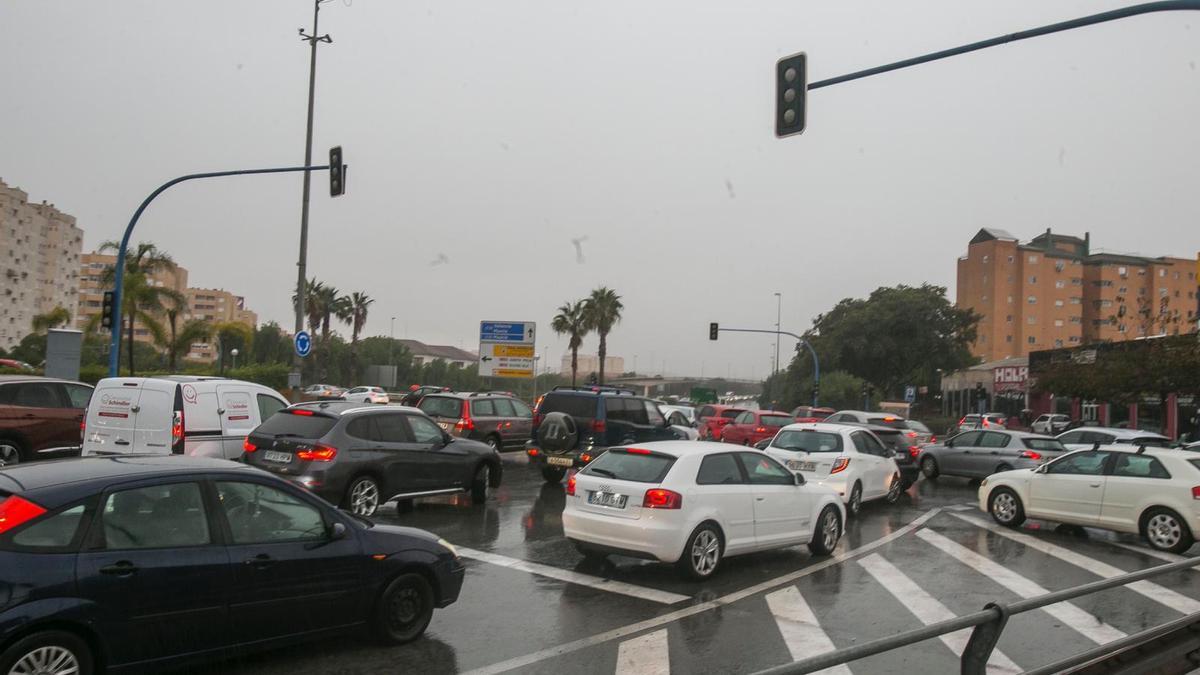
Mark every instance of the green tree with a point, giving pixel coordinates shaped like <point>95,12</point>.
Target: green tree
<point>572,321</point>
<point>141,300</point>
<point>271,344</point>
<point>357,304</point>
<point>602,311</point>
<point>232,335</point>
<point>312,304</point>
<point>59,316</point>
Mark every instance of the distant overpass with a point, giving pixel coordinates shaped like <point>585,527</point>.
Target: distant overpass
<point>679,386</point>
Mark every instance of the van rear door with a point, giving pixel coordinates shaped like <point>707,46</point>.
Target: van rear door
<point>239,416</point>
<point>112,416</point>
<point>153,422</point>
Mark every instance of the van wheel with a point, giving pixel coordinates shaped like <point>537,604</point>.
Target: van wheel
<point>404,610</point>
<point>552,474</point>
<point>53,652</point>
<point>1166,531</point>
<point>929,467</point>
<point>10,452</point>
<point>479,486</point>
<point>828,532</point>
<point>702,553</point>
<point>362,497</point>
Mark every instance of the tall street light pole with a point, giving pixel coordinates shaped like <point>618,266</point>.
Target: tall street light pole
<point>302,263</point>
<point>778,315</point>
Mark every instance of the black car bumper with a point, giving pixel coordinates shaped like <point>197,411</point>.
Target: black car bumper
<point>450,575</point>
<point>909,473</point>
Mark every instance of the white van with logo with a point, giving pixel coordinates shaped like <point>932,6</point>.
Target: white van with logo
<point>175,414</point>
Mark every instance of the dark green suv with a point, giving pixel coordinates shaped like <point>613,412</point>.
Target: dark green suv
<point>573,425</point>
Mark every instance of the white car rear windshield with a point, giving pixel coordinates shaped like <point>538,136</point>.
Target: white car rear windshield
<point>804,440</point>
<point>637,466</point>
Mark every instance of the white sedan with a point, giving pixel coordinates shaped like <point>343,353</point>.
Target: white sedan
<point>846,458</point>
<point>367,395</point>
<point>1153,492</point>
<point>693,504</point>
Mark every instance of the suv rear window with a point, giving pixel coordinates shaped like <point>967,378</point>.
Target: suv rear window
<point>808,441</point>
<point>582,407</point>
<point>893,422</point>
<point>441,406</point>
<point>639,467</point>
<point>299,426</point>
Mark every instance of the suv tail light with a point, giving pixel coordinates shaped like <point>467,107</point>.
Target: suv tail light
<point>659,498</point>
<point>1029,454</point>
<point>177,432</point>
<point>914,450</point>
<point>247,446</point>
<point>83,426</point>
<point>911,434</point>
<point>537,419</point>
<point>599,427</point>
<point>464,424</point>
<point>840,464</point>
<point>571,485</point>
<point>318,453</point>
<point>15,511</point>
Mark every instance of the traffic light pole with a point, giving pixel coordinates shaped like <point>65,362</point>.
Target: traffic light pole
<point>114,352</point>
<point>816,362</point>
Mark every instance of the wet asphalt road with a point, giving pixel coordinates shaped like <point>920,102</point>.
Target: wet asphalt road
<point>928,557</point>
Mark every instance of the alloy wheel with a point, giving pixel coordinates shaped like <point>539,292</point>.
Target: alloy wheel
<point>706,551</point>
<point>47,660</point>
<point>9,454</point>
<point>1004,507</point>
<point>364,498</point>
<point>896,488</point>
<point>855,504</point>
<point>829,530</point>
<point>1164,530</point>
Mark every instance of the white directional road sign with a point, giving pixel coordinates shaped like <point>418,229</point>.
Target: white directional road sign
<point>506,348</point>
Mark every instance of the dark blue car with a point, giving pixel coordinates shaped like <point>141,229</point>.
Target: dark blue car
<point>108,563</point>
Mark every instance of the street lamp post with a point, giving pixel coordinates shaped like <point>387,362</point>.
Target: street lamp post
<point>778,315</point>
<point>234,353</point>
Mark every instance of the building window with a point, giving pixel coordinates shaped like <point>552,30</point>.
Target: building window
<point>1031,320</point>
<point>1123,290</point>
<point>1058,303</point>
<point>1162,274</point>
<point>1076,319</point>
<point>1033,299</point>
<point>1010,300</point>
<point>1010,259</point>
<point>1058,343</point>
<point>1032,259</point>
<point>982,339</point>
<point>1074,338</point>
<point>1033,279</point>
<point>1123,271</point>
<point>1058,266</point>
<point>1060,284</point>
<point>1162,292</point>
<point>1176,275</point>
<point>985,258</point>
<point>1007,319</point>
<point>1032,340</point>
<point>985,298</point>
<point>1076,281</point>
<point>1008,338</point>
<point>1058,323</point>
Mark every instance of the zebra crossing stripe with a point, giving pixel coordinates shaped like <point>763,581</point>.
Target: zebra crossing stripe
<point>1161,555</point>
<point>1164,596</point>
<point>647,654</point>
<point>798,625</point>
<point>1071,615</point>
<point>928,609</point>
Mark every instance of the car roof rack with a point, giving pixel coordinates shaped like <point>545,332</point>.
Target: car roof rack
<point>596,389</point>
<point>493,393</point>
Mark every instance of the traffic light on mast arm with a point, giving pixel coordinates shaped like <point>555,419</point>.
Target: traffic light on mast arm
<point>713,329</point>
<point>791,94</point>
<point>108,311</point>
<point>337,172</point>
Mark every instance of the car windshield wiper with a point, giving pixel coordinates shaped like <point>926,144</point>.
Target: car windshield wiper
<point>602,472</point>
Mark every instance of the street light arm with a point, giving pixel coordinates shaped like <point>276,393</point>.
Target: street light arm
<point>801,340</point>
<point>114,353</point>
<point>1103,17</point>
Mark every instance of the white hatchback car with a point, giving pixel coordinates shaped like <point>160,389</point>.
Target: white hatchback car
<point>693,503</point>
<point>367,395</point>
<point>846,458</point>
<point>1153,492</point>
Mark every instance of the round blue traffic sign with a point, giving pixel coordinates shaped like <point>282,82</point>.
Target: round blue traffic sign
<point>303,343</point>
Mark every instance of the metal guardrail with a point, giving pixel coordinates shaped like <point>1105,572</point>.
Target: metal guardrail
<point>988,624</point>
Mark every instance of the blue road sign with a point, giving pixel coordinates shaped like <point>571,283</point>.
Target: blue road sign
<point>303,343</point>
<point>910,394</point>
<point>511,331</point>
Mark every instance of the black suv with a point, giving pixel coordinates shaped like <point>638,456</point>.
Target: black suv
<point>362,456</point>
<point>499,420</point>
<point>573,425</point>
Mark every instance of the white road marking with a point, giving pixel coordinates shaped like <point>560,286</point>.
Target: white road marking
<point>928,609</point>
<point>669,617</point>
<point>1087,625</point>
<point>1146,550</point>
<point>568,576</point>
<point>961,507</point>
<point>801,631</point>
<point>647,654</point>
<point>1164,596</point>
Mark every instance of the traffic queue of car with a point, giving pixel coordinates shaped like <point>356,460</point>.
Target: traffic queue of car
<point>94,542</point>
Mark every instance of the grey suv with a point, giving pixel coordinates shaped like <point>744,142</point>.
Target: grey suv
<point>499,420</point>
<point>362,456</point>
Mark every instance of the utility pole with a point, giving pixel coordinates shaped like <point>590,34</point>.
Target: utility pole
<point>302,263</point>
<point>778,315</point>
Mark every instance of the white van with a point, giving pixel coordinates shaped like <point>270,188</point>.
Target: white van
<point>175,414</point>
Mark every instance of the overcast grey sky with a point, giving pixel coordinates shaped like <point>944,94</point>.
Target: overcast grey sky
<point>496,132</point>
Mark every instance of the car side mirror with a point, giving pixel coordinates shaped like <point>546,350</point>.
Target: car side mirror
<point>337,532</point>
<point>799,479</point>
<point>950,444</point>
<point>447,439</point>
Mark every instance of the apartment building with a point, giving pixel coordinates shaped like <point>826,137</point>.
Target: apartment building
<point>92,268</point>
<point>39,262</point>
<point>1054,291</point>
<point>215,305</point>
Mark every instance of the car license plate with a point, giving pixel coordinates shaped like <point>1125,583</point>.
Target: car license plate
<point>611,499</point>
<point>272,456</point>
<point>795,465</point>
<point>560,461</point>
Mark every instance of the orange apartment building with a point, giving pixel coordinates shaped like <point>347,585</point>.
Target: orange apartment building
<point>1054,292</point>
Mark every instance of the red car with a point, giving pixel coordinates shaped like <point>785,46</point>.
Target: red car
<point>753,426</point>
<point>807,413</point>
<point>710,419</point>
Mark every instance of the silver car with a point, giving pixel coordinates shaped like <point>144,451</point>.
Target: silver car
<point>1051,424</point>
<point>986,421</point>
<point>980,453</point>
<point>1086,437</point>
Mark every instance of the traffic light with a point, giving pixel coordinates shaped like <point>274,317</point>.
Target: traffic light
<point>337,172</point>
<point>791,94</point>
<point>108,311</point>
<point>712,331</point>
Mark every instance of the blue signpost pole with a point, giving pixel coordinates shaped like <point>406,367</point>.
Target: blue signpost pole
<point>114,352</point>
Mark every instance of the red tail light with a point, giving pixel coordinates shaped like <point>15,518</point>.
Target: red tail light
<point>985,423</point>
<point>933,439</point>
<point>306,413</point>
<point>177,427</point>
<point>532,452</point>
<point>318,453</point>
<point>662,499</point>
<point>537,419</point>
<point>571,485</point>
<point>962,421</point>
<point>247,446</point>
<point>637,451</point>
<point>840,464</point>
<point>914,450</point>
<point>15,511</point>
<point>83,427</point>
<point>760,430</point>
<point>599,427</point>
<point>1029,454</point>
<point>1195,494</point>
<point>911,434</point>
<point>465,424</point>
<point>585,458</point>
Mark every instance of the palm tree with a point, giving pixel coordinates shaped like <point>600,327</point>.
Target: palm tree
<point>59,316</point>
<point>571,321</point>
<point>175,340</point>
<point>358,303</point>
<point>312,309</point>
<point>602,312</point>
<point>141,300</point>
